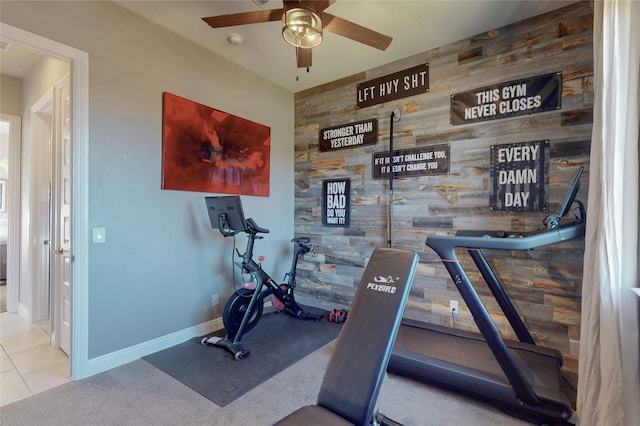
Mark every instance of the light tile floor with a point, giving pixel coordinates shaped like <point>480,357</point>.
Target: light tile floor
<point>28,363</point>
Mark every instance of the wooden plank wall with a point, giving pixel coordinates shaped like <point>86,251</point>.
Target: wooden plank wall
<point>544,283</point>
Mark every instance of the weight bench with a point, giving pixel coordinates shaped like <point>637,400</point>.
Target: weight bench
<point>354,375</point>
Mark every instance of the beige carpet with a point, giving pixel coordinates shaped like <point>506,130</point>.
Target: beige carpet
<point>140,394</point>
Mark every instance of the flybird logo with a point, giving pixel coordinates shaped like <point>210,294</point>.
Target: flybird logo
<point>382,284</point>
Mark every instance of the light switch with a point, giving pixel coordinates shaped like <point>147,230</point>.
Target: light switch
<point>99,235</point>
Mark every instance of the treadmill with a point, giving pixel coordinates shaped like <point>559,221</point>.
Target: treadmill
<point>518,377</point>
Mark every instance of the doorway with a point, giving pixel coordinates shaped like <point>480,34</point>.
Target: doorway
<point>46,121</point>
<point>78,156</point>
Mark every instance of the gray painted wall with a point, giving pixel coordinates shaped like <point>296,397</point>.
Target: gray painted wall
<point>161,261</point>
<point>11,89</point>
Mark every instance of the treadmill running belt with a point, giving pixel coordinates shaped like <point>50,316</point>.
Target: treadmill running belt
<point>463,362</point>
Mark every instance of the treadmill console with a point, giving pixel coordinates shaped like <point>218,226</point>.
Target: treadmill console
<point>552,221</point>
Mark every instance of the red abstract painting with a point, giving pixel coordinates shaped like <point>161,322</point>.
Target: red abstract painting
<point>207,150</point>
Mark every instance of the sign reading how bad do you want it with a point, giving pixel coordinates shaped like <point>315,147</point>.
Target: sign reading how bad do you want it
<point>519,177</point>
<point>519,97</point>
<point>336,202</point>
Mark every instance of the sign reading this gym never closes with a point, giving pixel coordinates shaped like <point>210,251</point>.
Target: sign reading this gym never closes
<point>519,97</point>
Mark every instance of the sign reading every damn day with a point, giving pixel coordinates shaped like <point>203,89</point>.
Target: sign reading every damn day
<point>519,97</point>
<point>518,175</point>
<point>402,84</point>
<point>349,135</point>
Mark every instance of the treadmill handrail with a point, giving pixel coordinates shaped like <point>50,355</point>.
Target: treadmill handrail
<point>482,239</point>
<point>501,296</point>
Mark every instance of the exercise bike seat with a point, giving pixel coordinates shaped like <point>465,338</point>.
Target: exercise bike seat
<point>253,227</point>
<point>354,375</point>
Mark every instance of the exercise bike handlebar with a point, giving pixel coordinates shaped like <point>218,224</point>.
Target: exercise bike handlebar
<point>250,227</point>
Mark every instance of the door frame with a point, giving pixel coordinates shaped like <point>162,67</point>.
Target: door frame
<point>79,60</point>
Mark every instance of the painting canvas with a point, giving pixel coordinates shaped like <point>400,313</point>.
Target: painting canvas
<point>207,150</point>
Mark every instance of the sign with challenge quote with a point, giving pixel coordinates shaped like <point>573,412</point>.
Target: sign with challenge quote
<point>423,161</point>
<point>519,176</point>
<point>518,97</point>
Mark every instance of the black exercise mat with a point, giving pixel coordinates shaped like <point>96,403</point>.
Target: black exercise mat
<point>277,342</point>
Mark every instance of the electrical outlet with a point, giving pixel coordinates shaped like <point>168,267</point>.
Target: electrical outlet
<point>574,347</point>
<point>215,300</point>
<point>453,306</point>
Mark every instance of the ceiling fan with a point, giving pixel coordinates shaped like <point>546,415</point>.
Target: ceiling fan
<point>302,25</point>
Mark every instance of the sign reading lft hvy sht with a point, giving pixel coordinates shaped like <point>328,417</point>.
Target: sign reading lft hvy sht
<point>402,84</point>
<point>519,176</point>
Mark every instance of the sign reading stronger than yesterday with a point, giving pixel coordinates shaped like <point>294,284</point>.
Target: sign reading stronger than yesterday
<point>349,135</point>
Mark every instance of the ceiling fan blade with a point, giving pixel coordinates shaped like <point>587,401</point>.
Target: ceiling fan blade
<point>321,5</point>
<point>244,18</point>
<point>355,32</point>
<point>303,57</point>
<point>317,5</point>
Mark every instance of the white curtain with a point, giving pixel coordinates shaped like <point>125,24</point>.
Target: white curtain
<point>609,378</point>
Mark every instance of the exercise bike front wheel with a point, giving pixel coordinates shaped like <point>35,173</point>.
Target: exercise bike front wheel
<point>236,309</point>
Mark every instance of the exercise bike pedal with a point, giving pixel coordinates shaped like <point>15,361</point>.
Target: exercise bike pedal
<point>212,340</point>
<point>238,351</point>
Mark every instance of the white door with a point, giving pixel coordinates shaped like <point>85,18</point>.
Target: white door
<point>12,125</point>
<point>37,228</point>
<point>61,220</point>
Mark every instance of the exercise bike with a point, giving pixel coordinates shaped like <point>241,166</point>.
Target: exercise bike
<point>245,307</point>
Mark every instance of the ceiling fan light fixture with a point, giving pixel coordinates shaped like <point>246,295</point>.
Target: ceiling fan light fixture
<point>302,28</point>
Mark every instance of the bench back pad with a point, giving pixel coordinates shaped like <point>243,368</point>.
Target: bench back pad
<point>354,374</point>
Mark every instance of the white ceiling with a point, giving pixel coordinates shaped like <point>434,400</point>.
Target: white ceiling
<point>415,26</point>
<point>15,60</point>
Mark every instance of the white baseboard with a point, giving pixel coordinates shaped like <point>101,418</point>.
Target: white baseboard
<point>132,353</point>
<point>23,312</point>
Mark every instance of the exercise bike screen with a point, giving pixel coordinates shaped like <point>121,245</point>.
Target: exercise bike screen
<point>231,206</point>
